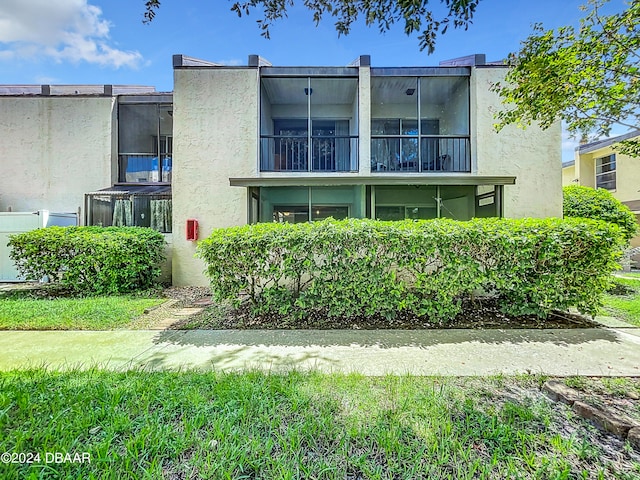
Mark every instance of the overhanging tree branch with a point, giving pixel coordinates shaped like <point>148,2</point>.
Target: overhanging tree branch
<point>417,15</point>
<point>588,77</point>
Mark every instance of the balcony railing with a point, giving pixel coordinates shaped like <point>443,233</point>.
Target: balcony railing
<point>144,168</point>
<point>291,153</point>
<point>398,153</point>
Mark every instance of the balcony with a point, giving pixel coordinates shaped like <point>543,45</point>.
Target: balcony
<point>144,168</point>
<point>290,153</point>
<point>398,153</point>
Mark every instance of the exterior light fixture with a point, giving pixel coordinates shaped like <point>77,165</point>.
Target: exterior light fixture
<point>308,91</point>
<point>410,91</point>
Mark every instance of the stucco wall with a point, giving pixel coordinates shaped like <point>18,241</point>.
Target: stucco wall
<point>569,175</point>
<point>364,120</point>
<point>215,115</point>
<point>54,150</point>
<point>585,170</point>
<point>627,173</point>
<point>532,155</point>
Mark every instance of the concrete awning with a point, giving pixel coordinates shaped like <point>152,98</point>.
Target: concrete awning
<point>311,181</point>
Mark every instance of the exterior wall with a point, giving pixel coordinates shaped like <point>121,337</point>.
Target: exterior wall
<point>585,170</point>
<point>627,173</point>
<point>364,120</point>
<point>54,150</point>
<point>569,175</point>
<point>532,155</point>
<point>215,114</point>
<point>627,178</point>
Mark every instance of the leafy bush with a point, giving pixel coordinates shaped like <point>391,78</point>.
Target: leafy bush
<point>364,267</point>
<point>599,204</point>
<point>97,260</point>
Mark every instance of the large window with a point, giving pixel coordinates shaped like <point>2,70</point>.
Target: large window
<point>303,204</point>
<point>382,202</point>
<point>145,134</point>
<point>420,124</point>
<point>309,124</point>
<point>458,202</point>
<point>606,172</point>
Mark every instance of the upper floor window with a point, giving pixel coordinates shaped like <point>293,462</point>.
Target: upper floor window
<point>309,124</point>
<point>145,142</point>
<point>420,124</point>
<point>606,172</point>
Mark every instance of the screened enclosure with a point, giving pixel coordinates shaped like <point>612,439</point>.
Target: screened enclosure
<point>127,206</point>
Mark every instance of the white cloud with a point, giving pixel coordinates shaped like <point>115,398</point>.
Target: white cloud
<point>65,30</point>
<point>44,80</point>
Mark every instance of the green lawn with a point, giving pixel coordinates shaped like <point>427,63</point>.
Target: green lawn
<point>154,425</point>
<point>23,311</point>
<point>625,304</point>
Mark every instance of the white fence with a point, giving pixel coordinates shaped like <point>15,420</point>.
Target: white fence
<point>19,222</point>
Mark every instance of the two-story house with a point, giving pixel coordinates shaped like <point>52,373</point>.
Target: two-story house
<point>599,165</point>
<point>261,143</point>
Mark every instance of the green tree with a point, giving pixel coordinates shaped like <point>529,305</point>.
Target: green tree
<point>417,15</point>
<point>589,76</point>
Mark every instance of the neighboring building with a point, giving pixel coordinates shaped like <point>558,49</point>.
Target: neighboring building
<point>260,143</point>
<point>599,165</point>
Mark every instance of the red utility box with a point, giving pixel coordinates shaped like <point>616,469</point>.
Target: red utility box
<point>192,229</point>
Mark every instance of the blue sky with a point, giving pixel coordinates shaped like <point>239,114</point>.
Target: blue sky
<point>105,41</point>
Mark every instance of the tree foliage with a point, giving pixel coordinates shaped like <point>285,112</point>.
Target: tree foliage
<point>588,76</point>
<point>599,204</point>
<point>417,15</point>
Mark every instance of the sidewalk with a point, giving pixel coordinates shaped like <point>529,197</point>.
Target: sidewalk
<point>613,350</point>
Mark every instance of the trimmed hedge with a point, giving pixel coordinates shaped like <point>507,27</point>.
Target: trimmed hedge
<point>360,267</point>
<point>599,204</point>
<point>96,260</point>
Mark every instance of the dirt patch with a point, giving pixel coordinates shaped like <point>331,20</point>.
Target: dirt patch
<point>617,396</point>
<point>481,313</point>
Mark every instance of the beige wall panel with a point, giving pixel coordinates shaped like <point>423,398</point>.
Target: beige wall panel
<point>54,150</point>
<point>215,137</point>
<point>532,155</point>
<point>568,176</point>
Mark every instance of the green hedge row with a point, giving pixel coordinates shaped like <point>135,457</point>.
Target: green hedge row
<point>365,267</point>
<point>96,260</point>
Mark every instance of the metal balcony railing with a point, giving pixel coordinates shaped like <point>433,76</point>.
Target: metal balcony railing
<point>144,167</point>
<point>284,153</point>
<point>401,153</point>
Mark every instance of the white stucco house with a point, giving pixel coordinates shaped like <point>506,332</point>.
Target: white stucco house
<point>261,143</point>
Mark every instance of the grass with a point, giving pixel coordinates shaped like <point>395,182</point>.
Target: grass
<point>22,310</point>
<point>625,305</point>
<point>295,425</point>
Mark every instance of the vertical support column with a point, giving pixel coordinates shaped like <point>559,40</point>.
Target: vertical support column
<point>473,120</point>
<point>364,119</point>
<point>373,202</point>
<point>418,99</point>
<point>309,126</point>
<point>159,143</point>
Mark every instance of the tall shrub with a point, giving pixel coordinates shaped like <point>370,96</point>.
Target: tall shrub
<point>599,204</point>
<point>100,260</point>
<point>364,267</point>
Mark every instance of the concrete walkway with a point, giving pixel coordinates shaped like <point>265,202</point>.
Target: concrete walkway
<point>613,350</point>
